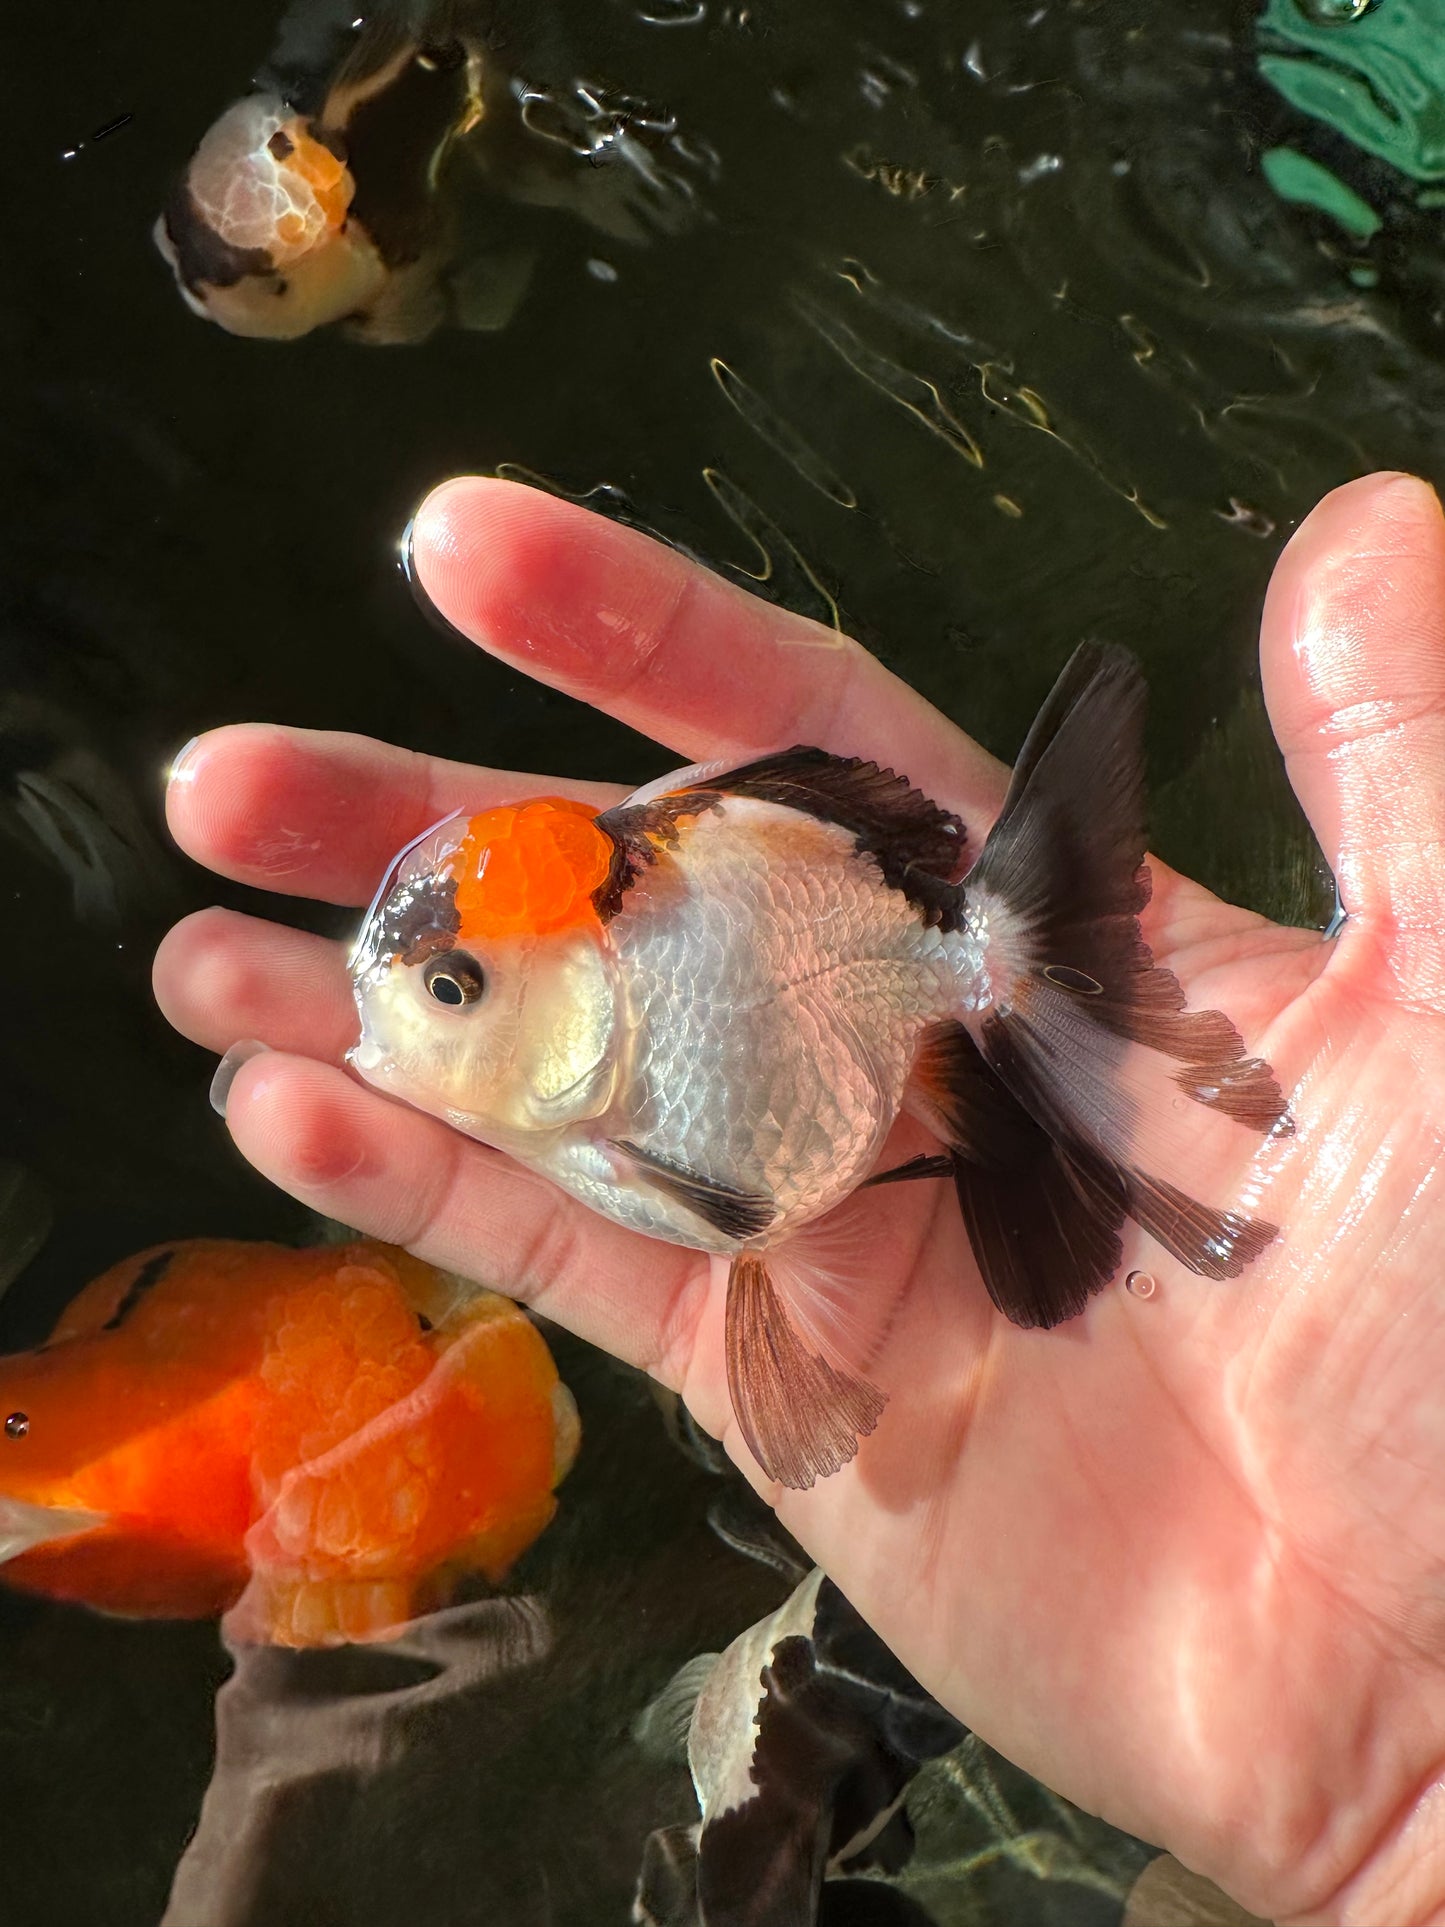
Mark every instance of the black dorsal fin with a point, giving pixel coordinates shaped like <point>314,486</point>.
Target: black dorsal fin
<point>919,846</point>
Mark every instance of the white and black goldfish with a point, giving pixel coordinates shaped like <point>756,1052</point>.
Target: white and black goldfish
<point>702,1011</point>
<point>394,172</point>
<point>802,1740</point>
<point>309,200</point>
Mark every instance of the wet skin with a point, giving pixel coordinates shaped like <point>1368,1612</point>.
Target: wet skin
<point>1183,1558</point>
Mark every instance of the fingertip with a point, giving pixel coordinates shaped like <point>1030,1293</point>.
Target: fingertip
<point>577,600</point>
<point>301,1123</point>
<point>217,787</point>
<point>179,955</point>
<point>1353,600</point>
<point>1352,649</point>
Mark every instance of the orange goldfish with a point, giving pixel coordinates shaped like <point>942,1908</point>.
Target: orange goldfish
<point>316,1442</point>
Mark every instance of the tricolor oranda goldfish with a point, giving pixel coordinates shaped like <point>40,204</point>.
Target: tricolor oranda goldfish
<point>702,1011</point>
<point>275,231</point>
<point>318,1442</point>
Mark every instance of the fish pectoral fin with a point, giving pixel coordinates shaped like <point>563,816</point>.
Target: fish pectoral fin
<point>24,1526</point>
<point>727,1209</point>
<point>802,1417</point>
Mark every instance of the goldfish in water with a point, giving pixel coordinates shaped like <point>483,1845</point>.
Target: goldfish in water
<point>317,1442</point>
<point>309,201</point>
<point>802,1739</point>
<point>390,175</point>
<point>701,1012</point>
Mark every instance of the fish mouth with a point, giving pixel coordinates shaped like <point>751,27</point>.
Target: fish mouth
<point>24,1526</point>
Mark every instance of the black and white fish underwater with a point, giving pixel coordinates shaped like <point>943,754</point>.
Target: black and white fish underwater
<point>379,172</point>
<point>802,1739</point>
<point>702,1011</point>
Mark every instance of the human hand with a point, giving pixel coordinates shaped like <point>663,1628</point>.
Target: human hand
<point>1184,1557</point>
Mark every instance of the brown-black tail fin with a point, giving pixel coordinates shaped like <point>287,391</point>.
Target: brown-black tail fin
<point>1085,1066</point>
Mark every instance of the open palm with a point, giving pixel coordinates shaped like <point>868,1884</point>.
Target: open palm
<point>1184,1557</point>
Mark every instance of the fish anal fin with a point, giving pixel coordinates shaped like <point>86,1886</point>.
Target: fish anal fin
<point>725,1208</point>
<point>802,1418</point>
<point>1043,1219</point>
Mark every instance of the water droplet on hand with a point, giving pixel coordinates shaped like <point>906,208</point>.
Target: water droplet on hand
<point>1141,1284</point>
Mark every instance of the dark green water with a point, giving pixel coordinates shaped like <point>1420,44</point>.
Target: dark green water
<point>1062,365</point>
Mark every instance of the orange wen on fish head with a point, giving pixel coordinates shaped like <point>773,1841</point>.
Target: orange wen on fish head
<point>528,869</point>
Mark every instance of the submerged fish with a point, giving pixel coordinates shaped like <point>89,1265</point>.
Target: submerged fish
<point>702,1011</point>
<point>273,232</point>
<point>376,175</point>
<point>802,1739</point>
<point>318,1441</point>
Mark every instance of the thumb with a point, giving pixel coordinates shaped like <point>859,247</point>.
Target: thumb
<point>1353,655</point>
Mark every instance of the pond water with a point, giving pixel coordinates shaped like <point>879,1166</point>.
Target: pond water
<point>974,328</point>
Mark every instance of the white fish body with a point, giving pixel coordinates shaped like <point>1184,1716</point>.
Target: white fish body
<point>703,1011</point>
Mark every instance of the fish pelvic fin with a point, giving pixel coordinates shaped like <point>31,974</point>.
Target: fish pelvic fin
<point>802,1417</point>
<point>1085,1059</point>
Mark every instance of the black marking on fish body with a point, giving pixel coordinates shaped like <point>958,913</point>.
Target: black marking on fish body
<point>149,1275</point>
<point>918,846</point>
<point>419,920</point>
<point>424,1323</point>
<point>203,259</point>
<point>640,832</point>
<point>841,1730</point>
<point>734,1213</point>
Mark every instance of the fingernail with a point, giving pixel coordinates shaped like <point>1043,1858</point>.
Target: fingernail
<point>178,773</point>
<point>239,1054</point>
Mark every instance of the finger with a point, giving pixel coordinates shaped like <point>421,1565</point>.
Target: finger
<point>632,627</point>
<point>219,976</point>
<point>411,1180</point>
<point>319,814</point>
<point>1353,654</point>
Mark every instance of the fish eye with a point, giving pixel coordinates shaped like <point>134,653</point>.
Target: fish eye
<point>454,979</point>
<point>17,1425</point>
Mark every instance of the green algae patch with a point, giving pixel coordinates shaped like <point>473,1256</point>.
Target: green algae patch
<point>1295,177</point>
<point>1376,74</point>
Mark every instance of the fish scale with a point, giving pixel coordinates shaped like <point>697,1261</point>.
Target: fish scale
<point>758,961</point>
